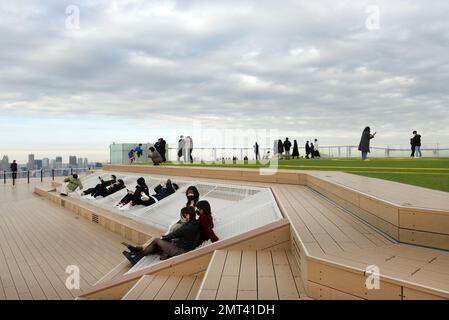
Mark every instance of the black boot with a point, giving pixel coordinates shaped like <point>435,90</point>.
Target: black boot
<point>133,258</point>
<point>132,249</point>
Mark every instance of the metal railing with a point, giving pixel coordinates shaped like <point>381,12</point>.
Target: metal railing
<point>41,174</point>
<point>391,151</point>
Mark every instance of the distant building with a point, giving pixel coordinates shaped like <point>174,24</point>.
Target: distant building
<point>80,163</point>
<point>30,164</point>
<point>86,163</point>
<point>58,163</point>
<point>72,161</point>
<point>53,163</point>
<point>45,163</point>
<point>4,164</point>
<point>37,164</point>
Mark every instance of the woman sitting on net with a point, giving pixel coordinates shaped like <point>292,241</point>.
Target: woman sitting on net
<point>206,222</point>
<point>192,195</point>
<point>134,198</point>
<point>182,240</point>
<point>162,191</point>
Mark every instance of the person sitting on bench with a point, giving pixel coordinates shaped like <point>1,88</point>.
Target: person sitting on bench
<point>134,198</point>
<point>70,185</point>
<point>102,185</point>
<point>162,191</point>
<point>180,241</point>
<point>107,191</point>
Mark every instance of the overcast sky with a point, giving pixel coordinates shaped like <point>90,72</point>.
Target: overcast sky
<point>132,71</point>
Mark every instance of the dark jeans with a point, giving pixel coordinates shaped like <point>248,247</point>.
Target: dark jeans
<point>165,248</point>
<point>14,175</point>
<point>413,151</point>
<point>135,198</point>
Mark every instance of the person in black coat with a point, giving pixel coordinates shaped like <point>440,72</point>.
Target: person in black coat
<point>417,143</point>
<point>287,146</point>
<point>163,148</point>
<point>364,145</point>
<point>307,150</point>
<point>162,191</point>
<point>100,187</point>
<point>280,148</point>
<point>312,150</point>
<point>412,147</point>
<point>182,240</point>
<point>295,152</point>
<point>14,169</point>
<point>134,198</point>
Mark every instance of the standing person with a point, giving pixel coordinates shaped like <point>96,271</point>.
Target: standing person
<point>295,152</point>
<point>160,146</point>
<point>138,150</point>
<point>287,146</point>
<point>307,150</point>
<point>417,143</point>
<point>181,144</point>
<point>412,147</point>
<point>312,150</point>
<point>70,185</point>
<point>191,149</point>
<point>275,147</point>
<point>131,156</point>
<point>155,156</point>
<point>14,169</point>
<point>280,148</point>
<point>317,152</point>
<point>365,142</point>
<point>256,151</point>
<point>186,150</point>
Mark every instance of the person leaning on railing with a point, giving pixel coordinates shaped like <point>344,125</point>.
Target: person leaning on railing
<point>71,184</point>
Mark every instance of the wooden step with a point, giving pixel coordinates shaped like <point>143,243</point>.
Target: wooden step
<point>252,275</point>
<point>164,287</point>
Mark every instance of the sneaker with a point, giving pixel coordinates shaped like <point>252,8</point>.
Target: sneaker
<point>145,198</point>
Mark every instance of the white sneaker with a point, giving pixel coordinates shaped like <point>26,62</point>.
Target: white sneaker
<point>145,198</point>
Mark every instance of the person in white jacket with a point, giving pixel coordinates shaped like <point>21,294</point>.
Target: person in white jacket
<point>317,152</point>
<point>187,151</point>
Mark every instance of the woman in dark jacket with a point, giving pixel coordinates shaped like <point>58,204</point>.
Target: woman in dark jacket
<point>295,152</point>
<point>280,148</point>
<point>365,142</point>
<point>135,198</point>
<point>192,195</point>
<point>182,240</point>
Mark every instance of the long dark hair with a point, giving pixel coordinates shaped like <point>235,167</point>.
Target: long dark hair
<point>367,129</point>
<point>205,206</point>
<point>141,182</point>
<point>196,195</point>
<point>189,211</point>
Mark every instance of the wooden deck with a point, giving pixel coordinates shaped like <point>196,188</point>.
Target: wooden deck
<point>38,240</point>
<point>252,275</point>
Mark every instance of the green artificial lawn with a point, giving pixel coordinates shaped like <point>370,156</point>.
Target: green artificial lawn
<point>430,173</point>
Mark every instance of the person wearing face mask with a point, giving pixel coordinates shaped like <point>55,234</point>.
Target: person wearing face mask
<point>193,196</point>
<point>180,241</point>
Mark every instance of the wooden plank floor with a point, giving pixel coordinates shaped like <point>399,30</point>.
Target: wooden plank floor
<point>38,240</point>
<point>162,287</point>
<point>252,275</point>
